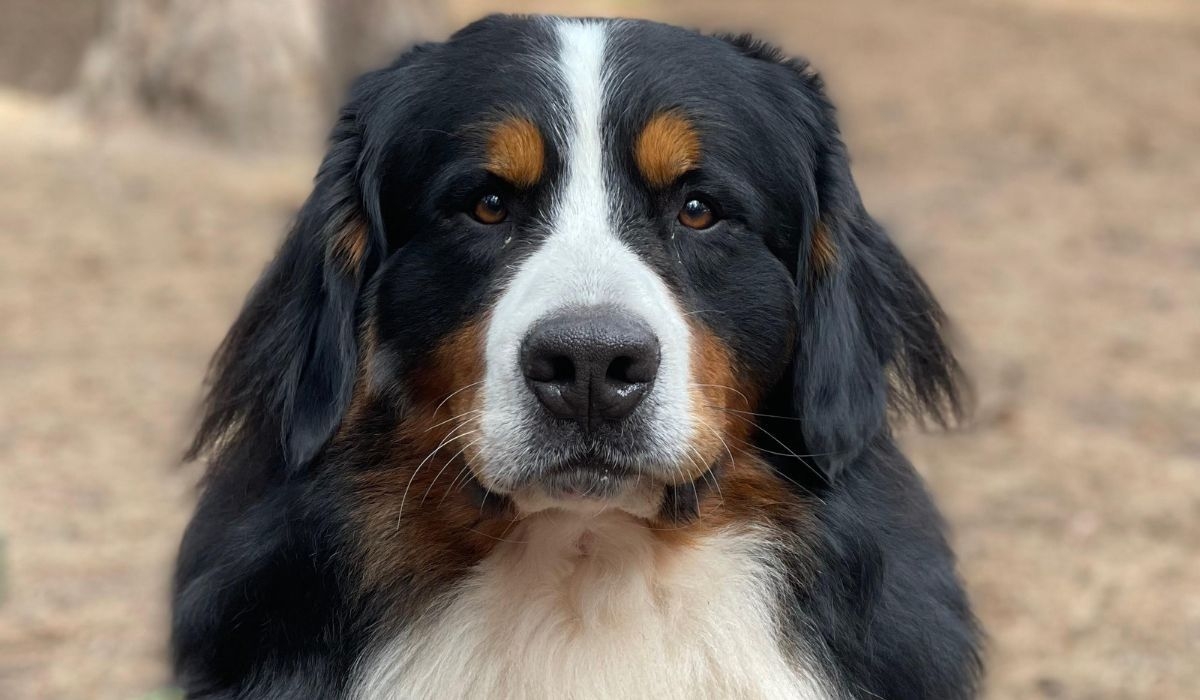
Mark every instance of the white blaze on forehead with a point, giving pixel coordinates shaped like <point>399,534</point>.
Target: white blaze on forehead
<point>581,262</point>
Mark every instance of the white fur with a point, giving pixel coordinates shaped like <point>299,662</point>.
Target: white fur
<point>582,262</point>
<point>582,600</point>
<point>579,607</point>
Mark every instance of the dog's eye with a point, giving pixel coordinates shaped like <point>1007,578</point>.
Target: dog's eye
<point>490,209</point>
<point>697,214</point>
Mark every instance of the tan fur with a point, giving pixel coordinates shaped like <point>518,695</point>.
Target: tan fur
<point>516,152</point>
<point>542,601</point>
<point>823,253</point>
<point>601,607</point>
<point>350,245</point>
<point>667,147</point>
<point>716,397</point>
<point>415,515</point>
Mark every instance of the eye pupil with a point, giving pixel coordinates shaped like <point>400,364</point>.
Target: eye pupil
<point>490,209</point>
<point>696,214</point>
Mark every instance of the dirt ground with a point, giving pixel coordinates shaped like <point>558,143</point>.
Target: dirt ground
<point>1038,159</point>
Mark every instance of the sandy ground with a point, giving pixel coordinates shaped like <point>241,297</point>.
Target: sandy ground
<point>1040,160</point>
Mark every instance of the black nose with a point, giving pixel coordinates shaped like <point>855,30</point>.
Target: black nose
<point>592,365</point>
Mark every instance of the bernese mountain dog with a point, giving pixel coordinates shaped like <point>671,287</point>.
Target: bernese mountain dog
<point>573,379</point>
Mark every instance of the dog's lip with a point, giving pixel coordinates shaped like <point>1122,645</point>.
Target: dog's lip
<point>585,480</point>
<point>589,477</point>
<point>590,463</point>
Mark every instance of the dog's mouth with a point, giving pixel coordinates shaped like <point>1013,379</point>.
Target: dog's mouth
<point>593,485</point>
<point>587,480</point>
<point>585,484</point>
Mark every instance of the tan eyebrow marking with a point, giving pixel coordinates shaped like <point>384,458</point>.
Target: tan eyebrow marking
<point>516,152</point>
<point>667,148</point>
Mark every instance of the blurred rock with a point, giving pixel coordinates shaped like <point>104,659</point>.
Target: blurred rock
<point>42,42</point>
<point>266,73</point>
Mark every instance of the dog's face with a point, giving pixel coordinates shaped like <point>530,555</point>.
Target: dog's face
<point>607,231</point>
<point>589,261</point>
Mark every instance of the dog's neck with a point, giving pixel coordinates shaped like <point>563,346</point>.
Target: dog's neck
<point>607,602</point>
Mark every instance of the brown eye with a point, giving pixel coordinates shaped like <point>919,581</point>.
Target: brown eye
<point>696,214</point>
<point>490,209</point>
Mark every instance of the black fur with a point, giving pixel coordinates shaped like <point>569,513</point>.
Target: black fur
<point>287,365</point>
<point>267,600</point>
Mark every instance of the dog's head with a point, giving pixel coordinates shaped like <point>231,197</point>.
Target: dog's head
<point>589,261</point>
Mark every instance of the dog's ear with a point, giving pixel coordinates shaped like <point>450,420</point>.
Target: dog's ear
<point>870,335</point>
<point>283,376</point>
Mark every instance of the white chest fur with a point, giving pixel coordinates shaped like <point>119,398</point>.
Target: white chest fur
<point>577,607</point>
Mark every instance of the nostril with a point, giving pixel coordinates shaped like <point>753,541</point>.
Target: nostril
<point>548,367</point>
<point>590,365</point>
<point>562,369</point>
<point>618,370</point>
<point>638,368</point>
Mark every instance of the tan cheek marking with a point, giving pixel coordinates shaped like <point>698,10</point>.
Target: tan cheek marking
<point>516,152</point>
<point>749,486</point>
<point>667,148</point>
<point>718,399</point>
<point>823,253</point>
<point>441,532</point>
<point>747,493</point>
<point>746,490</point>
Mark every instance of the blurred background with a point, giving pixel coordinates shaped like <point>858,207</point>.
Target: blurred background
<point>1038,159</point>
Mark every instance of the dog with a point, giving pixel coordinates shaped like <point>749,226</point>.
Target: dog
<point>573,379</point>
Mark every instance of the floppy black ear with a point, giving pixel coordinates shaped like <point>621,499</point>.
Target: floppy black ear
<point>282,378</point>
<point>870,334</point>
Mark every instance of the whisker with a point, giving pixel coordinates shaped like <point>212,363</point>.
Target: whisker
<point>765,451</point>
<point>720,437</point>
<point>483,501</point>
<point>675,502</point>
<point>752,413</point>
<point>727,388</point>
<point>453,418</point>
<point>707,475</point>
<point>501,538</point>
<point>597,514</point>
<point>450,437</point>
<point>447,464</point>
<point>677,527</point>
<point>451,488</point>
<point>789,453</point>
<point>453,394</point>
<point>787,478</point>
<point>781,443</point>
